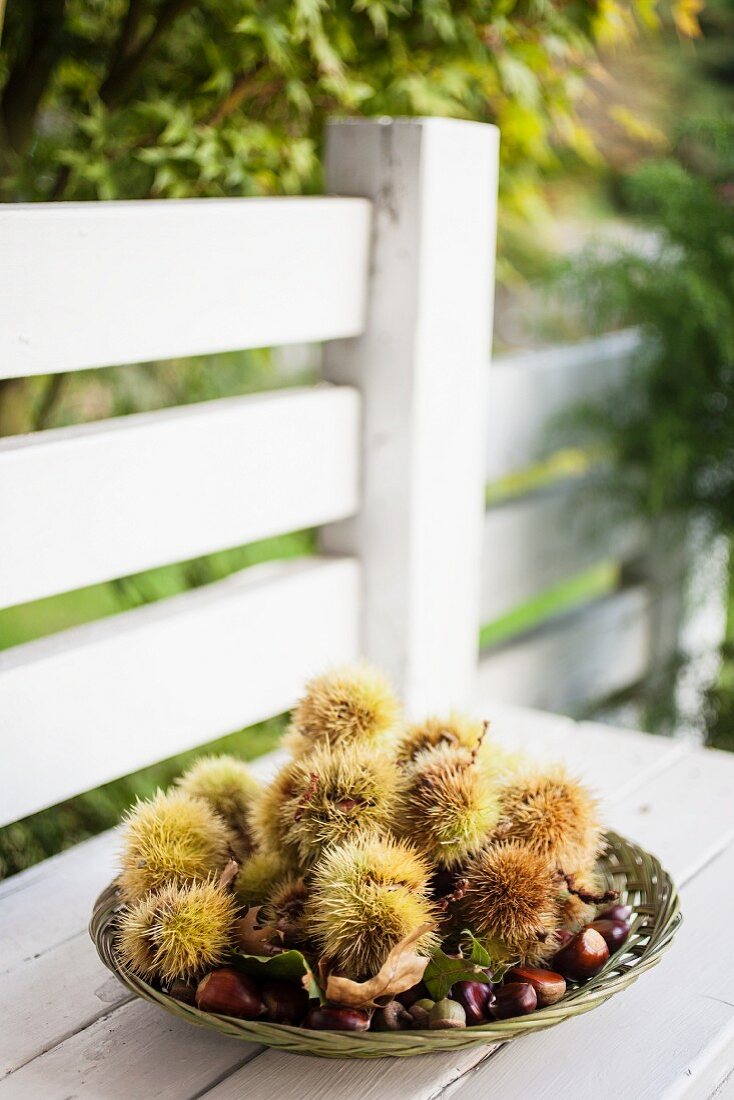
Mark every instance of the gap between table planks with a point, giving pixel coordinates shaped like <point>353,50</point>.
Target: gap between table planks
<point>78,1059</point>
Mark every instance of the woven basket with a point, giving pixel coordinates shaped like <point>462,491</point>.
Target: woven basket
<point>640,879</point>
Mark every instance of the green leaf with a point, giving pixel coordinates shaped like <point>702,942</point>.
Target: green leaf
<point>443,971</point>
<point>290,966</point>
<point>478,953</point>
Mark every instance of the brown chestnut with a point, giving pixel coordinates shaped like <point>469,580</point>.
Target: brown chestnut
<point>613,932</point>
<point>514,999</point>
<point>616,912</point>
<point>392,1017</point>
<point>336,1018</point>
<point>229,992</point>
<point>181,991</point>
<point>410,996</point>
<point>549,987</point>
<point>285,1002</point>
<point>474,997</point>
<point>583,956</point>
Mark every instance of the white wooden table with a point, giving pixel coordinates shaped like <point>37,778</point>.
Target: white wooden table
<point>70,1030</point>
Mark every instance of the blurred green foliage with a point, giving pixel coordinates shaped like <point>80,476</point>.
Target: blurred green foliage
<point>135,98</point>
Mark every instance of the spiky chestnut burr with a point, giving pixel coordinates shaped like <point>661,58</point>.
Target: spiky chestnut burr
<point>171,838</point>
<point>258,877</point>
<point>229,787</point>
<point>326,798</point>
<point>510,899</point>
<point>459,731</point>
<point>575,912</point>
<point>448,806</point>
<point>365,897</point>
<point>285,909</point>
<point>553,814</point>
<point>353,705</point>
<point>177,931</point>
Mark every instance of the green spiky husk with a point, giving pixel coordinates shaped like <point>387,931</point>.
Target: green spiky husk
<point>178,931</point>
<point>326,798</point>
<point>449,805</point>
<point>259,876</point>
<point>345,706</point>
<point>365,897</point>
<point>171,838</point>
<point>229,787</point>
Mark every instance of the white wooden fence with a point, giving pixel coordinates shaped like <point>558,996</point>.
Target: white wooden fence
<point>537,541</point>
<point>396,274</point>
<point>388,457</point>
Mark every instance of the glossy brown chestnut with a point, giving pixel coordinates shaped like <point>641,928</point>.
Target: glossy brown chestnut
<point>335,1018</point>
<point>229,992</point>
<point>616,912</point>
<point>549,987</point>
<point>285,1002</point>
<point>514,999</point>
<point>613,932</point>
<point>410,996</point>
<point>583,956</point>
<point>474,997</point>
<point>181,991</point>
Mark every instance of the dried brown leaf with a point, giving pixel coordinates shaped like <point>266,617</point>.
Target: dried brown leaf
<point>401,970</point>
<point>256,939</point>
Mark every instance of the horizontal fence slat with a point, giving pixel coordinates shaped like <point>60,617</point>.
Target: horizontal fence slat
<point>535,542</point>
<point>575,660</point>
<point>81,708</point>
<point>526,392</point>
<point>95,284</point>
<point>85,504</point>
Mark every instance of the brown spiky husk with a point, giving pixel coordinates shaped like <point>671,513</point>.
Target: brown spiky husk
<point>171,838</point>
<point>365,897</point>
<point>178,931</point>
<point>511,900</point>
<point>555,815</point>
<point>354,705</point>
<point>455,730</point>
<point>285,909</point>
<point>326,798</point>
<point>575,913</point>
<point>449,805</point>
<point>229,787</point>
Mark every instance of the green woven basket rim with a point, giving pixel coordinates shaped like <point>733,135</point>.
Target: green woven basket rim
<point>638,875</point>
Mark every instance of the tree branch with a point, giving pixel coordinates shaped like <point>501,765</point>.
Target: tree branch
<point>117,82</point>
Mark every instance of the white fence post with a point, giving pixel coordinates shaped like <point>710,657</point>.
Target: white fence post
<point>420,365</point>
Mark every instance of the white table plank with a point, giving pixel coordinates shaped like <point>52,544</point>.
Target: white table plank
<point>52,997</point>
<point>136,1052</point>
<point>287,1078</point>
<point>652,1040</point>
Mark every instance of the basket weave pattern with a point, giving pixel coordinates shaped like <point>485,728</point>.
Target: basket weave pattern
<point>642,883</point>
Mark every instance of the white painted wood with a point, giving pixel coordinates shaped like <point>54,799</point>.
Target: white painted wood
<point>79,709</point>
<point>52,998</point>
<point>89,503</point>
<point>585,655</point>
<point>526,392</point>
<point>535,542</point>
<point>644,1042</point>
<point>420,365</point>
<point>137,1051</point>
<point>281,1075</point>
<point>96,283</point>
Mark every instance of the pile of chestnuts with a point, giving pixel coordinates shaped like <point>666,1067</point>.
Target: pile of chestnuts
<point>522,990</point>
